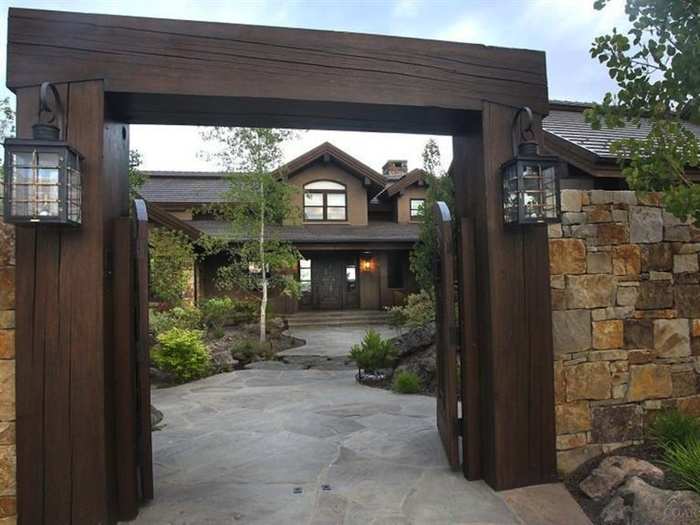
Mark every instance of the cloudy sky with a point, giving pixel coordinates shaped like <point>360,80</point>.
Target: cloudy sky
<point>563,29</point>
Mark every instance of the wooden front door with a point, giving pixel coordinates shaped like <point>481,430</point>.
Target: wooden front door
<point>327,283</point>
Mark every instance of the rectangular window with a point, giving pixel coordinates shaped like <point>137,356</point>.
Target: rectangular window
<point>395,270</point>
<point>325,201</point>
<point>417,208</point>
<point>305,275</point>
<point>351,276</point>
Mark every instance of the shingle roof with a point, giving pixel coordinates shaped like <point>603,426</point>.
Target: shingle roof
<point>565,120</point>
<point>322,233</point>
<point>196,187</point>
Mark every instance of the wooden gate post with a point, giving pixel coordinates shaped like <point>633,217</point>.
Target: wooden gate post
<point>64,331</point>
<point>513,313</point>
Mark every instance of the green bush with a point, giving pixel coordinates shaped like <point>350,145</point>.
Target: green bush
<point>188,318</point>
<point>418,311</point>
<point>171,265</point>
<point>373,353</point>
<point>684,461</point>
<point>218,312</point>
<point>252,350</point>
<point>406,382</point>
<point>182,353</point>
<point>672,427</point>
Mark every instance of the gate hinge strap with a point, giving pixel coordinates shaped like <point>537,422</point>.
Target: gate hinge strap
<point>460,426</point>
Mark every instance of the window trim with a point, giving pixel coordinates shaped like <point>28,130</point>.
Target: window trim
<point>410,208</point>
<point>325,206</point>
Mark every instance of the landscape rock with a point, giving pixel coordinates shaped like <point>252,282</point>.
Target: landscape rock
<point>156,417</point>
<point>222,360</point>
<point>415,340</point>
<point>417,354</point>
<point>613,471</point>
<point>615,512</point>
<point>653,506</point>
<point>646,224</point>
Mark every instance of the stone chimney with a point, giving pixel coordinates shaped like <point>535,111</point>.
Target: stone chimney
<point>395,169</point>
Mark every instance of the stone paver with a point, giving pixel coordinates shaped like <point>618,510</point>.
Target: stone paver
<point>332,341</point>
<point>306,447</point>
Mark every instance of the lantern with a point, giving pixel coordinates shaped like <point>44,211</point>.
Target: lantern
<point>42,181</point>
<point>530,180</point>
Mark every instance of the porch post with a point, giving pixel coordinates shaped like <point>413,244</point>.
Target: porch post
<point>64,419</point>
<point>513,314</point>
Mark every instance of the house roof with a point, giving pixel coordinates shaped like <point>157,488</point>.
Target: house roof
<point>566,121</point>
<point>190,187</point>
<point>407,180</point>
<point>321,233</point>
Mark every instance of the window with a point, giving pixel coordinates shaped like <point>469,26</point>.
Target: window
<point>325,201</point>
<point>417,206</point>
<point>395,271</point>
<point>351,276</point>
<point>305,275</point>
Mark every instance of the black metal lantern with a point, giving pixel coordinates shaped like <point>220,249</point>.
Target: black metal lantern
<point>530,180</point>
<point>42,181</point>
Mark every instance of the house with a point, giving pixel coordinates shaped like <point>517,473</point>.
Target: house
<point>357,227</point>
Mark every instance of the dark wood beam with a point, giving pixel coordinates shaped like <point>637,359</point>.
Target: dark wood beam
<point>141,56</point>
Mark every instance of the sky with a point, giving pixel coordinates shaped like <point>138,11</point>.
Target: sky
<point>564,29</point>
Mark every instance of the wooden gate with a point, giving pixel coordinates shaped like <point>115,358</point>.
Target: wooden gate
<point>134,462</point>
<point>447,400</point>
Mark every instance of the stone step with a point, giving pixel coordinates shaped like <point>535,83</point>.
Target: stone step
<point>337,322</point>
<point>337,318</point>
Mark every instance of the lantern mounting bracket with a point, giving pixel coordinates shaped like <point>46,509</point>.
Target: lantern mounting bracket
<point>524,128</point>
<point>45,128</point>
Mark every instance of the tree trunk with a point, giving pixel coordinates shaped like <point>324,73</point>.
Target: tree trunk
<point>263,267</point>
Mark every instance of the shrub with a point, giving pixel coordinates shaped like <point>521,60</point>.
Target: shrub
<point>182,353</point>
<point>218,312</point>
<point>418,311</point>
<point>186,318</point>
<point>683,459</point>
<point>252,350</point>
<point>672,428</point>
<point>406,382</point>
<point>373,353</point>
<point>172,260</point>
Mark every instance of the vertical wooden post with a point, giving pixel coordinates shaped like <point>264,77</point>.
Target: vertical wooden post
<point>513,314</point>
<point>64,464</point>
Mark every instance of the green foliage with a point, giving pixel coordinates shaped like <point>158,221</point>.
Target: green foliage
<point>684,462</point>
<point>186,318</point>
<point>656,66</point>
<point>671,428</point>
<point>182,353</point>
<point>418,311</point>
<point>406,382</point>
<point>258,197</point>
<point>218,312</point>
<point>251,350</point>
<point>172,258</point>
<point>7,119</point>
<point>373,353</point>
<point>137,178</point>
<point>440,188</point>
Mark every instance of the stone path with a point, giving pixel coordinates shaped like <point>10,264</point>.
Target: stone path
<point>306,447</point>
<point>332,341</point>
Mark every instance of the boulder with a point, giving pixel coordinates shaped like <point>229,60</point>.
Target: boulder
<point>613,471</point>
<point>415,340</point>
<point>222,360</point>
<point>156,417</point>
<point>648,505</point>
<point>615,512</point>
<point>417,353</point>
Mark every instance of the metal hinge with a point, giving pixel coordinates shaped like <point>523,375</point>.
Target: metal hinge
<point>460,426</point>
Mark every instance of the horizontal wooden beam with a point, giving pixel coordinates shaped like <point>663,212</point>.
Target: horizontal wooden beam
<point>141,56</point>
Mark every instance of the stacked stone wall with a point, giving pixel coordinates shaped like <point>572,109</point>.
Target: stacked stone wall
<point>8,503</point>
<point>625,287</point>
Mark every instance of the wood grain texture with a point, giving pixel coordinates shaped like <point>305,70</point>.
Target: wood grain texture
<point>172,57</point>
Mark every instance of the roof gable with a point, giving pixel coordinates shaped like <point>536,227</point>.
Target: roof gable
<point>414,176</point>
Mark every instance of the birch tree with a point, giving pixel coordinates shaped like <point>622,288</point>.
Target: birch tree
<point>258,200</point>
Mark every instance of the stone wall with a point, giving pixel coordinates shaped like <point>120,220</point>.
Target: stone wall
<point>625,286</point>
<point>7,375</point>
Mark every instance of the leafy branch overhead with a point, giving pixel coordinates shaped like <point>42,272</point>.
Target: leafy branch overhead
<point>656,65</point>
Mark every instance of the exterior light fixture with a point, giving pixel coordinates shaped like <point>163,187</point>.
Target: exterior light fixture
<point>530,180</point>
<point>367,264</point>
<point>42,181</point>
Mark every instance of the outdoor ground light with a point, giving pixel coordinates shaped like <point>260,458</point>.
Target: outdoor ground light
<point>42,182</point>
<point>530,180</point>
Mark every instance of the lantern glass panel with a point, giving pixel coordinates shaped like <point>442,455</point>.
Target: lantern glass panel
<point>510,194</point>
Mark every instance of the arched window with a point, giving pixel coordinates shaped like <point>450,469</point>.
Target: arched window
<point>325,200</point>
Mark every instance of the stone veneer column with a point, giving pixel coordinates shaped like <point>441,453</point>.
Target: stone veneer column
<point>625,285</point>
<point>7,376</point>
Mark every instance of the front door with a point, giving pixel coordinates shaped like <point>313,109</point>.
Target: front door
<point>327,282</point>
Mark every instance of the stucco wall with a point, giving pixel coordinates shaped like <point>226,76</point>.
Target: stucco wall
<point>356,192</point>
<point>625,285</point>
<point>403,203</point>
<point>7,375</point>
